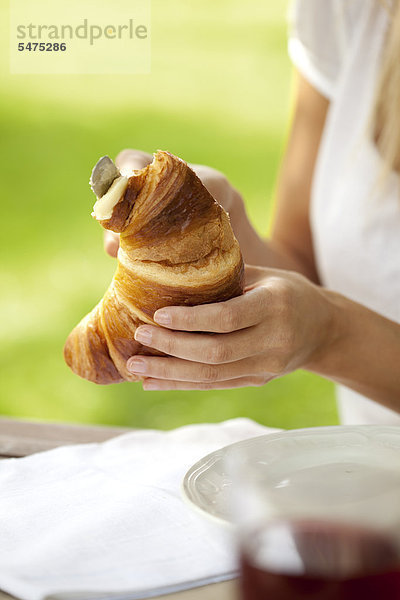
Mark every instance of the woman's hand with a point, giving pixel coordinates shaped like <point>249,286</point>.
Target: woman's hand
<point>281,323</point>
<point>216,183</point>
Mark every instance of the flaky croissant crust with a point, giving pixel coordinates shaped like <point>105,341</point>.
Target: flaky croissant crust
<point>176,248</point>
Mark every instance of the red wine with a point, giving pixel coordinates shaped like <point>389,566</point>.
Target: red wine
<point>319,561</point>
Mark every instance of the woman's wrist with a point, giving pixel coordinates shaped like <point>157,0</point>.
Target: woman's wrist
<point>255,249</point>
<point>334,332</point>
<point>235,208</point>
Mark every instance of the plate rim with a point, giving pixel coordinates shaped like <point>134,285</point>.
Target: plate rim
<point>271,438</point>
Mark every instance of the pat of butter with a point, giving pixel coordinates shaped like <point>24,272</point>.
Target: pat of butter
<point>103,209</point>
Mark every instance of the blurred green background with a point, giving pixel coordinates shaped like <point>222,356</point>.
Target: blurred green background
<point>219,94</point>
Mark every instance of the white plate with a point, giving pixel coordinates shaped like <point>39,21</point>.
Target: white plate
<point>342,455</point>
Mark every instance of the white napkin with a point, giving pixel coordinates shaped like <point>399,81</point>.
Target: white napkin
<point>94,520</point>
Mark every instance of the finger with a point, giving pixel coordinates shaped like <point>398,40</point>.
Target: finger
<point>165,385</point>
<point>130,159</point>
<point>221,317</point>
<point>111,243</point>
<point>199,347</point>
<point>176,369</point>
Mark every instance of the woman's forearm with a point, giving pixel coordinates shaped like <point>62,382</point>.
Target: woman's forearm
<point>364,353</point>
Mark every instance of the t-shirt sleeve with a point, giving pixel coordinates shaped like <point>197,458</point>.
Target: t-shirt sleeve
<point>316,39</point>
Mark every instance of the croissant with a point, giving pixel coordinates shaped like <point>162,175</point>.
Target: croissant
<point>176,248</point>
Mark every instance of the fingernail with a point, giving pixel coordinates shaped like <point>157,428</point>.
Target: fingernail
<point>143,335</point>
<point>162,317</point>
<point>136,365</point>
<point>150,386</point>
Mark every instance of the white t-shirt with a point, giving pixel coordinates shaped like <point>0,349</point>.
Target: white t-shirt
<point>337,46</point>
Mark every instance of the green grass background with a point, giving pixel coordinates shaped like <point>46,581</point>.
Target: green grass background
<point>218,94</point>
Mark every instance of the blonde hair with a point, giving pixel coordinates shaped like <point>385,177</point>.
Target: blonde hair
<point>386,117</point>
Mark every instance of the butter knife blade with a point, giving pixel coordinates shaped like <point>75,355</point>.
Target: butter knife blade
<point>103,174</point>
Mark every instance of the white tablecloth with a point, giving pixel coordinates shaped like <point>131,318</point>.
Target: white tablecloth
<point>109,518</point>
